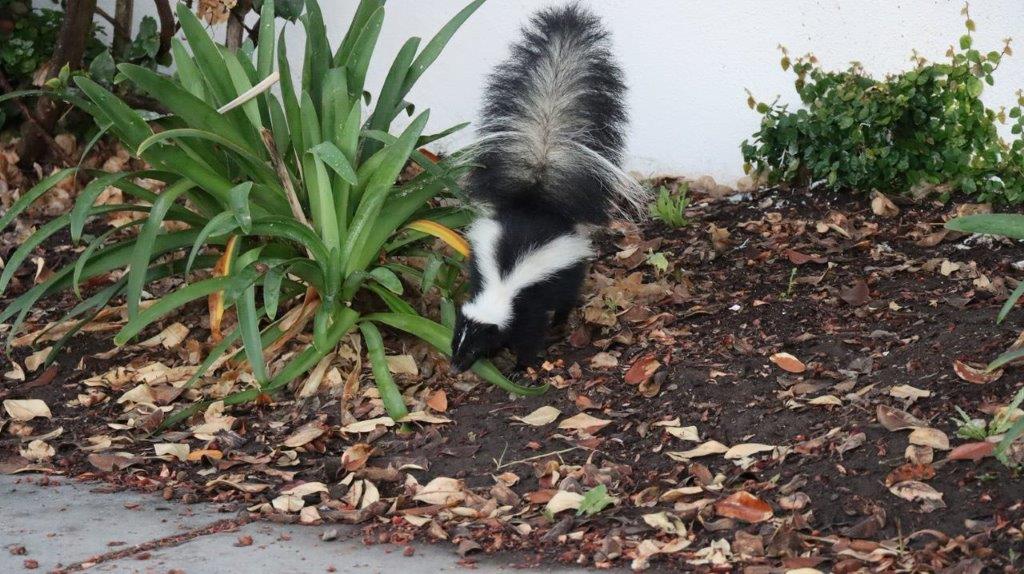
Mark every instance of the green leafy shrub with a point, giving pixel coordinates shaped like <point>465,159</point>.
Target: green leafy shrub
<point>670,207</point>
<point>1012,226</point>
<point>925,126</point>
<point>27,38</point>
<point>275,200</point>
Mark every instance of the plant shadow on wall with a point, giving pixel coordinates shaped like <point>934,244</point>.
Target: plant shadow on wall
<point>285,210</point>
<point>918,131</point>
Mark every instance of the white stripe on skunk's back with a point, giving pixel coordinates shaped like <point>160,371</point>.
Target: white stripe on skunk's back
<point>493,304</point>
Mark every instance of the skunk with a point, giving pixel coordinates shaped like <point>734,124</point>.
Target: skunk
<point>546,173</point>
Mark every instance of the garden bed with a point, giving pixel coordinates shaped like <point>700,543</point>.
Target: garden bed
<point>874,311</point>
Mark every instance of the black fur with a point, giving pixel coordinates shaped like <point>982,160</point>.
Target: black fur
<point>551,142</point>
<point>578,191</point>
<point>536,307</point>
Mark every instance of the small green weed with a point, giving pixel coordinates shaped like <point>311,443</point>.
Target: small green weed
<point>671,207</point>
<point>594,501</point>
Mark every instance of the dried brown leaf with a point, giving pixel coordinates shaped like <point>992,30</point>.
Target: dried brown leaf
<point>26,409</point>
<point>896,419</point>
<point>540,417</point>
<point>974,451</point>
<point>975,375</point>
<point>745,507</point>
<point>788,363</point>
<point>584,422</point>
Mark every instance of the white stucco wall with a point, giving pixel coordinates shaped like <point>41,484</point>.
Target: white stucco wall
<point>688,61</point>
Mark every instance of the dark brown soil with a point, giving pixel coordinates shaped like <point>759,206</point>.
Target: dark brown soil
<point>735,307</point>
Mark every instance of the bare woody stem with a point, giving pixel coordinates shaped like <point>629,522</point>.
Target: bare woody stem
<point>285,177</point>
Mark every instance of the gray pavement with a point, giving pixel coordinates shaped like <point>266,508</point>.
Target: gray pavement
<point>68,522</point>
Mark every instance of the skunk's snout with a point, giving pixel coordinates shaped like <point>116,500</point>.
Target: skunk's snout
<point>462,362</point>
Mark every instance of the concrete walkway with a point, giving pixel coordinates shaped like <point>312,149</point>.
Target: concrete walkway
<point>65,523</point>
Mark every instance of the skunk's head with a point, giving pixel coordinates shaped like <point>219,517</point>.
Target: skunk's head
<point>472,341</point>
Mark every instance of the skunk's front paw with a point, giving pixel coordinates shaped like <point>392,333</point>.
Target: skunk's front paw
<point>526,374</point>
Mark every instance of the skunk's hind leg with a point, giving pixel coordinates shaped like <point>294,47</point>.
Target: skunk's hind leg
<point>560,319</point>
<point>566,297</point>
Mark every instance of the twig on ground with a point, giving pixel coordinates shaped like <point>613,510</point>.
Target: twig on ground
<point>533,458</point>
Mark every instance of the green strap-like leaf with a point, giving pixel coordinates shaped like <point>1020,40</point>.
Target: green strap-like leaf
<point>128,124</point>
<point>169,303</point>
<point>288,228</point>
<point>197,113</point>
<point>336,160</point>
<point>363,13</point>
<point>391,92</point>
<point>272,289</point>
<point>207,55</point>
<point>359,59</point>
<point>321,200</point>
<point>26,248</point>
<point>1006,358</point>
<point>86,198</point>
<point>357,252</point>
<point>20,94</point>
<point>221,224</point>
<point>142,253</point>
<point>1010,302</point>
<point>34,193</point>
<point>279,125</point>
<point>242,84</point>
<point>395,303</point>
<point>431,138</point>
<point>289,99</point>
<point>430,271</point>
<point>387,279</point>
<point>436,45</point>
<point>448,314</point>
<point>183,133</point>
<point>187,72</point>
<point>249,324</point>
<point>94,245</point>
<point>440,338</point>
<point>265,49</point>
<point>390,394</point>
<point>1005,224</point>
<point>397,211</point>
<point>239,201</point>
<point>319,51</point>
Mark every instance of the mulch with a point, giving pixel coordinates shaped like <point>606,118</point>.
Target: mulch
<point>781,395</point>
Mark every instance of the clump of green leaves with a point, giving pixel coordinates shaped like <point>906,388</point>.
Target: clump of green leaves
<point>923,127</point>
<point>27,37</point>
<point>1006,423</point>
<point>670,207</point>
<point>280,203</point>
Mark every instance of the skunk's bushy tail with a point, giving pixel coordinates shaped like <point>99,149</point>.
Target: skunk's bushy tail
<point>551,135</point>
